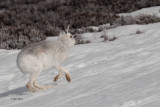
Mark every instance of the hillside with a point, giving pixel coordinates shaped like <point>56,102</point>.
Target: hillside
<point>51,16</point>
<point>120,73</point>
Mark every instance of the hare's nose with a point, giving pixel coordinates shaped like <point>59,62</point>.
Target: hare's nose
<point>74,36</point>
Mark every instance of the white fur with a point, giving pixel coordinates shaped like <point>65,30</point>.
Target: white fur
<point>40,56</point>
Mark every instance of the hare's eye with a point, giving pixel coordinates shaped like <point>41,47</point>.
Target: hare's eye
<point>71,37</point>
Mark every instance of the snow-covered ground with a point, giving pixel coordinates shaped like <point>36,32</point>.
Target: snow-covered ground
<point>120,73</point>
<point>147,11</point>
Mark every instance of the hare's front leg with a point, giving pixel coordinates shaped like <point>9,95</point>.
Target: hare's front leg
<point>66,74</point>
<point>61,71</point>
<point>60,74</point>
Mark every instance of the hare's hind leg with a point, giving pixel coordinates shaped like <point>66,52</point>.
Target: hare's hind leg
<point>30,85</point>
<point>37,85</point>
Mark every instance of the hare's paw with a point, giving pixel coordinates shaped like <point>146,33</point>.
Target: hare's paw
<point>56,78</point>
<point>32,89</point>
<point>68,78</point>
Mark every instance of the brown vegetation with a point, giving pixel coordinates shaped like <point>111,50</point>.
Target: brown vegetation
<point>48,17</point>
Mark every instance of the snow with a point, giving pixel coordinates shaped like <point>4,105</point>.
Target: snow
<point>148,11</point>
<point>119,73</point>
<point>123,31</point>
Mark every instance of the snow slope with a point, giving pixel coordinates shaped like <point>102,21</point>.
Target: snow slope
<point>120,73</point>
<point>148,11</point>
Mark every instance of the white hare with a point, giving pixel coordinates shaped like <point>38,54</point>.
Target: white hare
<point>43,55</point>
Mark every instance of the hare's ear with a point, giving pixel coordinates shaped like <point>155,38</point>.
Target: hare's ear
<point>62,33</point>
<point>67,29</point>
<point>63,30</point>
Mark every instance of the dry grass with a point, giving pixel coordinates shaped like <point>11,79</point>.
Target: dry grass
<point>17,38</point>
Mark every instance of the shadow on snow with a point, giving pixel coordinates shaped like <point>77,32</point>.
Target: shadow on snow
<point>17,91</point>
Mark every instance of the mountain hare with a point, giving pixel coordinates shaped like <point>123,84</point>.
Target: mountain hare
<point>43,55</point>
